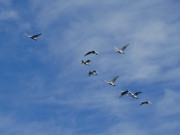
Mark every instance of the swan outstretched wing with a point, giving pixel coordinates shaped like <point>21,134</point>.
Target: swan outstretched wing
<point>92,51</point>
<point>37,35</point>
<point>27,35</point>
<point>87,53</point>
<point>114,79</point>
<point>88,61</point>
<point>115,48</point>
<point>106,81</point>
<point>145,102</point>
<point>130,92</point>
<point>137,93</point>
<point>124,47</point>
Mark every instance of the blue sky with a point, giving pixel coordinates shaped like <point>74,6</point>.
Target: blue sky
<point>46,90</point>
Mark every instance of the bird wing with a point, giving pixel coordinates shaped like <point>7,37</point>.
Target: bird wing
<point>142,102</point>
<point>106,81</point>
<point>127,92</point>
<point>121,96</point>
<point>130,92</point>
<point>93,51</point>
<point>90,73</point>
<point>123,93</point>
<point>27,35</point>
<point>120,91</point>
<point>124,47</point>
<point>34,36</point>
<point>87,53</point>
<point>88,61</point>
<point>115,48</point>
<point>114,79</point>
<point>137,93</point>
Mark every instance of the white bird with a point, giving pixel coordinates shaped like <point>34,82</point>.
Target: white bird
<point>34,37</point>
<point>85,62</point>
<point>135,95</point>
<point>126,92</point>
<point>121,51</point>
<point>112,81</point>
<point>145,102</point>
<point>91,52</point>
<point>92,72</point>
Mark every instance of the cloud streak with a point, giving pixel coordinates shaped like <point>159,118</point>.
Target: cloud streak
<point>55,93</point>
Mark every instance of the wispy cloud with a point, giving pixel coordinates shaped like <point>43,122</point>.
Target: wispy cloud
<point>147,37</point>
<point>8,14</point>
<point>55,93</point>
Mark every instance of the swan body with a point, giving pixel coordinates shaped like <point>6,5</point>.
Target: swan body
<point>34,37</point>
<point>121,51</point>
<point>112,81</point>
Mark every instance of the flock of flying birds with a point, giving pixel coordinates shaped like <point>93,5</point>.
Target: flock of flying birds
<point>94,72</point>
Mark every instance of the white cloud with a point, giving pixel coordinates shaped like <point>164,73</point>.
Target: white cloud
<point>8,14</point>
<point>69,28</point>
<point>146,38</point>
<point>144,25</point>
